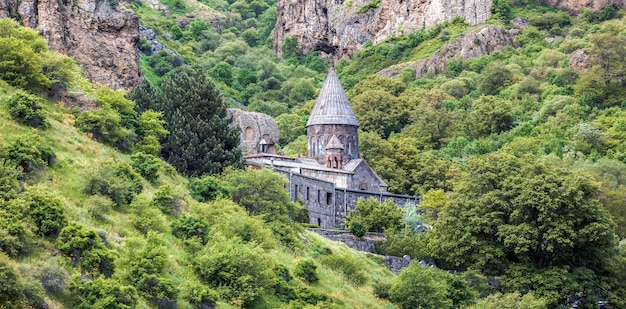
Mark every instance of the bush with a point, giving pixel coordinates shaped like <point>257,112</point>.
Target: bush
<point>199,296</point>
<point>9,185</point>
<point>146,165</point>
<point>102,293</point>
<point>27,109</point>
<point>118,181</point>
<point>307,271</point>
<point>97,206</point>
<point>207,188</point>
<point>241,272</point>
<point>188,227</point>
<point>381,289</point>
<point>11,285</point>
<point>31,153</point>
<point>46,210</point>
<point>166,201</point>
<point>149,220</point>
<point>374,217</point>
<point>350,267</point>
<point>161,291</point>
<point>14,237</point>
<point>85,247</point>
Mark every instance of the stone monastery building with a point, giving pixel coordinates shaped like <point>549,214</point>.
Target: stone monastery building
<point>333,175</point>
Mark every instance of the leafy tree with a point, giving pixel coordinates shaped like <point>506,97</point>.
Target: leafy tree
<point>187,227</point>
<point>522,212</point>
<point>375,112</point>
<point>374,216</point>
<point>490,115</point>
<point>151,129</point>
<point>21,56</point>
<point>493,77</point>
<point>511,301</point>
<point>85,247</point>
<point>289,47</point>
<point>207,188</point>
<point>262,193</point>
<point>241,272</point>
<point>420,287</point>
<point>27,109</point>
<point>432,121</point>
<point>146,165</point>
<point>201,140</point>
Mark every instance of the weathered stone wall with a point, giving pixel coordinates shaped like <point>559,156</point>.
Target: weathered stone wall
<point>316,194</point>
<point>364,178</point>
<point>319,135</point>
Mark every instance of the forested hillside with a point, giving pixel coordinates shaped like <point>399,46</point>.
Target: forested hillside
<point>91,217</point>
<point>518,152</point>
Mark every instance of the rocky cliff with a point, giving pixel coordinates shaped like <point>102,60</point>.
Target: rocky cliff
<point>336,27</point>
<point>99,34</point>
<point>472,45</point>
<point>577,5</point>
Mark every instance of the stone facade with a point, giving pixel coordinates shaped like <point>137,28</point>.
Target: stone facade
<point>259,133</point>
<point>333,176</point>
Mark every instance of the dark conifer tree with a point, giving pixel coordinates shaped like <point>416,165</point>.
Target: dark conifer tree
<point>200,140</point>
<point>144,96</point>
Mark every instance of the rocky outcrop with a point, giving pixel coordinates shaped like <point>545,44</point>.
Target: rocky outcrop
<point>471,45</point>
<point>99,34</point>
<point>579,60</point>
<point>337,28</point>
<point>577,5</point>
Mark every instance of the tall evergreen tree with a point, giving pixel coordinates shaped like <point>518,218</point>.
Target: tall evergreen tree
<point>200,141</point>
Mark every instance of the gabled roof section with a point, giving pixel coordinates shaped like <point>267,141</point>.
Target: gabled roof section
<point>334,143</point>
<point>332,105</point>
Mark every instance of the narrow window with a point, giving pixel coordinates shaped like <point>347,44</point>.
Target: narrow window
<point>295,193</point>
<point>307,193</point>
<point>318,196</point>
<point>329,198</point>
<point>319,222</point>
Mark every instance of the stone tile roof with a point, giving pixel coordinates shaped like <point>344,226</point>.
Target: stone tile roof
<point>334,143</point>
<point>332,105</point>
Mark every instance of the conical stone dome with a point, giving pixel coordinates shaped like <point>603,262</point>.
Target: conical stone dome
<point>332,105</point>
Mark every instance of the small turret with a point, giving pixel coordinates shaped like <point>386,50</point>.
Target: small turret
<point>334,153</point>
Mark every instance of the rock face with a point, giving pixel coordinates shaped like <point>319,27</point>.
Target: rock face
<point>471,45</point>
<point>336,28</point>
<point>99,34</point>
<point>259,132</point>
<point>577,5</point>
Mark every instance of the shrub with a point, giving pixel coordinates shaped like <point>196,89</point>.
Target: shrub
<point>161,291</point>
<point>241,272</point>
<point>46,210</point>
<point>381,289</point>
<point>374,217</point>
<point>11,285</point>
<point>30,152</point>
<point>350,267</point>
<point>149,220</point>
<point>27,109</point>
<point>97,206</point>
<point>307,271</point>
<point>166,201</point>
<point>207,188</point>
<point>102,293</point>
<point>146,165</point>
<point>118,181</point>
<point>9,185</point>
<point>85,247</point>
<point>187,227</point>
<point>14,237</point>
<point>199,296</point>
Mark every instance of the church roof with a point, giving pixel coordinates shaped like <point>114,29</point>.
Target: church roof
<point>334,143</point>
<point>332,105</point>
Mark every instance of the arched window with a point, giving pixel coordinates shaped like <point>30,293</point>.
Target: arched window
<point>248,134</point>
